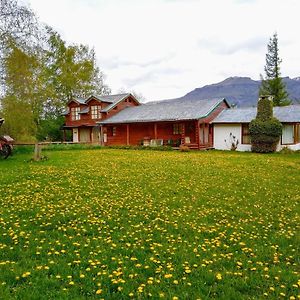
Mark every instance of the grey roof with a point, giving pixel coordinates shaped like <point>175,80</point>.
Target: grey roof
<point>79,100</point>
<point>284,114</point>
<point>168,110</point>
<point>112,99</point>
<point>117,99</point>
<point>65,112</point>
<point>109,98</point>
<point>84,110</point>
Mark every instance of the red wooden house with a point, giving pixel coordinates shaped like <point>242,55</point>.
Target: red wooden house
<point>122,120</point>
<point>82,115</point>
<point>173,122</point>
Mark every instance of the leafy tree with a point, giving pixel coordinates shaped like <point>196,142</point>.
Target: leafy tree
<point>265,130</point>
<point>273,84</point>
<point>72,70</point>
<point>24,86</point>
<point>17,22</point>
<point>39,73</point>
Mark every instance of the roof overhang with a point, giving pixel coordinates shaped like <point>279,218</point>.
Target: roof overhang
<point>76,101</point>
<point>92,97</point>
<point>77,126</point>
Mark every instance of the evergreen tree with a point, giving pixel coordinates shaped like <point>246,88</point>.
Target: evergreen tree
<point>273,84</point>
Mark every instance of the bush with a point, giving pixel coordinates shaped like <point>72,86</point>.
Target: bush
<point>265,130</point>
<point>184,148</point>
<point>286,150</point>
<point>265,135</point>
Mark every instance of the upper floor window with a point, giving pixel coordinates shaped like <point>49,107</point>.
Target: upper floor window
<point>75,113</point>
<point>96,112</point>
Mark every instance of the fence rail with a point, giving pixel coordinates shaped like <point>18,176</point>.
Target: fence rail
<point>53,143</point>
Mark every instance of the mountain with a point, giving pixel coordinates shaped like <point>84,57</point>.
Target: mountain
<point>241,91</point>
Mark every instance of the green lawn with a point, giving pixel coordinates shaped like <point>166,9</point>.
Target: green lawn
<point>127,224</point>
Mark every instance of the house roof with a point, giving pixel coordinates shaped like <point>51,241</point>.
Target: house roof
<point>117,99</point>
<point>78,100</point>
<point>84,110</point>
<point>113,100</point>
<point>168,110</point>
<point>65,112</point>
<point>108,98</point>
<point>285,114</point>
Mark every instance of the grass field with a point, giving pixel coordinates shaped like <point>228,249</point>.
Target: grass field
<point>125,224</point>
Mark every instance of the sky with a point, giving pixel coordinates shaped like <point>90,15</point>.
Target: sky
<point>163,49</point>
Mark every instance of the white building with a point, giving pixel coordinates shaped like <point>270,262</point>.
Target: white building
<point>232,126</point>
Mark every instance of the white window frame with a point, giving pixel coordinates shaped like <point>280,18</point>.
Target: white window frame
<point>288,134</point>
<point>96,112</point>
<point>75,113</point>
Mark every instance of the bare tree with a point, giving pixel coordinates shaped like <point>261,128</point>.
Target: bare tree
<point>17,22</point>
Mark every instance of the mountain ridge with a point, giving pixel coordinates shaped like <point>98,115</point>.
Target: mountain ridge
<point>241,91</point>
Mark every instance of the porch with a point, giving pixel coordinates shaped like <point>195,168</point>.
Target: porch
<point>193,134</point>
<point>83,133</point>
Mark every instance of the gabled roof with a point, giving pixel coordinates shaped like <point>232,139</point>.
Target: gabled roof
<point>84,110</point>
<point>65,112</point>
<point>113,100</point>
<point>108,98</point>
<point>285,114</point>
<point>117,99</point>
<point>78,100</point>
<point>168,110</point>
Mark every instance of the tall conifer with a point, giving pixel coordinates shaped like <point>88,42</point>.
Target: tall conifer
<point>272,84</point>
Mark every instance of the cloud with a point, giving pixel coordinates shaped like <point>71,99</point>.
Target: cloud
<point>165,48</point>
<point>119,62</point>
<point>222,47</point>
<point>154,75</point>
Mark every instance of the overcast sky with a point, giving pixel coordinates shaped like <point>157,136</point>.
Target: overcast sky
<point>166,48</point>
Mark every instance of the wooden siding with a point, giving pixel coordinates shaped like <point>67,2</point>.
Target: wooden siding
<point>199,133</point>
<point>86,119</point>
<point>129,101</point>
<point>138,132</point>
<point>196,133</point>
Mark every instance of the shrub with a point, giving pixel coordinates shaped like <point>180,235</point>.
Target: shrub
<point>265,130</point>
<point>265,135</point>
<point>286,150</point>
<point>233,142</point>
<point>184,148</point>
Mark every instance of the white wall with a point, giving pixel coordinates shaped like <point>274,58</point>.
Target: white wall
<point>293,147</point>
<point>222,133</point>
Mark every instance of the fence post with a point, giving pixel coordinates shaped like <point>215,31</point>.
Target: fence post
<point>37,152</point>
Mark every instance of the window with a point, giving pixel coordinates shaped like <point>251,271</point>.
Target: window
<point>114,131</point>
<point>96,112</point>
<point>287,134</point>
<point>245,134</point>
<point>297,133</point>
<point>177,129</point>
<point>75,113</point>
